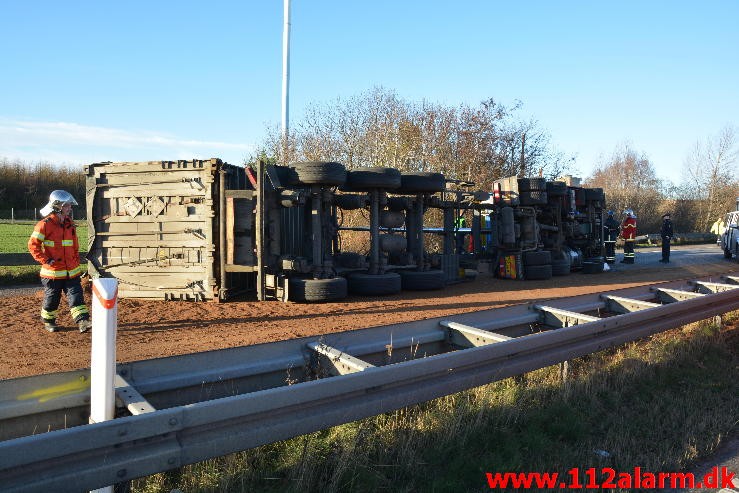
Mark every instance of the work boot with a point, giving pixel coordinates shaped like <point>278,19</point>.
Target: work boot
<point>51,326</point>
<point>84,325</point>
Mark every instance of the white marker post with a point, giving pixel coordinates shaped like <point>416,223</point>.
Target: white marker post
<point>102,365</point>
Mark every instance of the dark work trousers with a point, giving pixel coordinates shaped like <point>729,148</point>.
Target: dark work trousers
<point>610,251</point>
<point>629,255</point>
<point>53,294</point>
<point>666,248</point>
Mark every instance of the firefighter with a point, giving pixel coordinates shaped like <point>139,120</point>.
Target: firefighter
<point>666,234</point>
<point>628,233</point>
<point>54,245</point>
<point>611,227</point>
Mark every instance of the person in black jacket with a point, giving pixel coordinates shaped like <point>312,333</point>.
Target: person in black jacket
<point>610,230</point>
<point>666,233</point>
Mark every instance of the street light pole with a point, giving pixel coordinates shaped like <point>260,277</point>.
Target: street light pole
<point>286,79</point>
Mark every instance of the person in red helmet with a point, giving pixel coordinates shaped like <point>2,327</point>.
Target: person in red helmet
<point>55,246</point>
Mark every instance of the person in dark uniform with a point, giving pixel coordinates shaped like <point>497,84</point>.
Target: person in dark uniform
<point>666,234</point>
<point>610,233</point>
<point>459,223</point>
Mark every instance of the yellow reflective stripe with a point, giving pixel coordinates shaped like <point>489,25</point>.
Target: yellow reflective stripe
<point>77,270</point>
<point>49,243</point>
<point>76,311</point>
<point>53,273</point>
<point>67,243</point>
<point>37,235</point>
<point>49,315</point>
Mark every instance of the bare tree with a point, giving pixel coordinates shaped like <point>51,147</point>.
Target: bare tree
<point>629,181</point>
<point>377,128</point>
<point>710,177</point>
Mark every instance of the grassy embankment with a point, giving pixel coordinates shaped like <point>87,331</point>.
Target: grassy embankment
<point>658,404</point>
<point>14,239</point>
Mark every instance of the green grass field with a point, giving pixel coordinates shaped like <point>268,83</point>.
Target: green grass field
<point>14,239</point>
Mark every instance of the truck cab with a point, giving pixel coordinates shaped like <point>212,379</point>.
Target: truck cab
<point>730,236</point>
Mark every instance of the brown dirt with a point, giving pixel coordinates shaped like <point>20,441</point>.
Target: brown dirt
<point>150,329</point>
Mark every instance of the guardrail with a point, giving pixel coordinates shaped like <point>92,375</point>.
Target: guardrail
<point>199,406</point>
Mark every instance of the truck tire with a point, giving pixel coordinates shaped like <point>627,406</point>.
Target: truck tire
<point>349,201</point>
<point>365,179</point>
<point>533,197</point>
<point>421,280</point>
<point>556,188</point>
<point>594,195</point>
<point>317,289</point>
<point>538,257</point>
<point>592,265</point>
<point>412,183</point>
<point>537,272</point>
<point>318,173</point>
<point>531,184</point>
<point>727,253</point>
<point>374,285</point>
<point>561,265</point>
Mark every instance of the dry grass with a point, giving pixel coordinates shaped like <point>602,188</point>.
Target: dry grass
<point>659,404</point>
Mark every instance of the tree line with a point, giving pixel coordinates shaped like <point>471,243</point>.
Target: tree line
<point>26,186</point>
<point>490,141</point>
<point>479,143</point>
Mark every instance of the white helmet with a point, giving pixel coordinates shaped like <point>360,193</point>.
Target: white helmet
<point>629,213</point>
<point>57,199</point>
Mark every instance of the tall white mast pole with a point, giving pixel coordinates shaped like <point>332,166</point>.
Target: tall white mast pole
<point>286,78</point>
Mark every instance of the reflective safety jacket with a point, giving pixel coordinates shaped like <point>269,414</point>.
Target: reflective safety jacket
<point>54,245</point>
<point>628,229</point>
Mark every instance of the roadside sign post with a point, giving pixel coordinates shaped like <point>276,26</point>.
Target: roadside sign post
<point>103,358</point>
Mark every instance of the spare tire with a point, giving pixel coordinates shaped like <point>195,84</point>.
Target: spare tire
<point>365,179</point>
<point>374,284</point>
<point>317,289</point>
<point>317,173</point>
<point>421,280</point>
<point>411,183</point>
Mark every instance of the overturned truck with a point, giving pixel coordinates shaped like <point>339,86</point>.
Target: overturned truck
<point>207,230</point>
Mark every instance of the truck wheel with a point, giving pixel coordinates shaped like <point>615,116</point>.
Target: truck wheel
<point>539,257</point>
<point>727,253</point>
<point>421,280</point>
<point>365,179</point>
<point>537,272</point>
<point>531,184</point>
<point>317,289</point>
<point>375,285</point>
<point>561,264</point>
<point>533,197</point>
<point>411,183</point>
<point>594,195</point>
<point>592,265</point>
<point>318,173</point>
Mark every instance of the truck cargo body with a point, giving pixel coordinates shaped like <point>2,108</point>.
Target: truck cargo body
<point>171,229</point>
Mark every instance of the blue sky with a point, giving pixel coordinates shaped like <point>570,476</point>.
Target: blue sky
<point>86,81</point>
